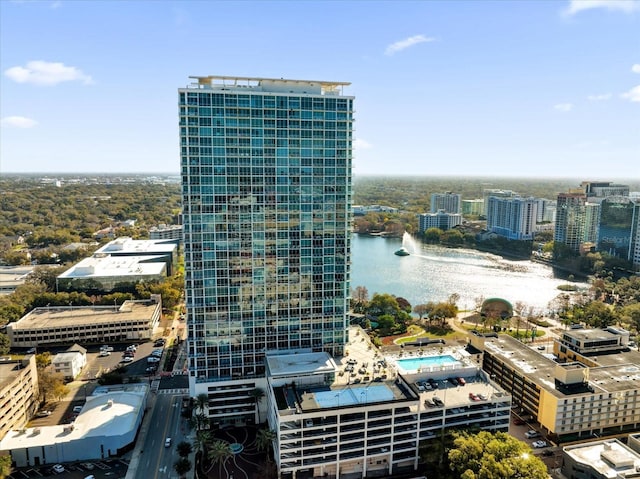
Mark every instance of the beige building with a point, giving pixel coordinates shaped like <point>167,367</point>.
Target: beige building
<point>18,393</point>
<point>133,320</point>
<point>589,388</point>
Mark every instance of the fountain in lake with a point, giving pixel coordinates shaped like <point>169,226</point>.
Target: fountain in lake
<point>409,245</point>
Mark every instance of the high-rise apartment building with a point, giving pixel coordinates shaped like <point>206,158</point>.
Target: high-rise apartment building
<point>266,185</point>
<point>513,218</point>
<point>618,226</point>
<point>448,202</point>
<point>489,192</point>
<point>570,219</point>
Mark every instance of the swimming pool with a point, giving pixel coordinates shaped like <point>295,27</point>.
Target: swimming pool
<point>426,363</point>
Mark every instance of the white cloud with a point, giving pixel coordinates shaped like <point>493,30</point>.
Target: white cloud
<point>18,122</point>
<point>600,97</point>
<point>632,95</point>
<point>46,73</point>
<point>406,43</point>
<point>626,6</point>
<point>636,68</point>
<point>563,107</point>
<point>360,144</point>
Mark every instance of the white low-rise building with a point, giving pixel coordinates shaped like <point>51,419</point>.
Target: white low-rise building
<point>106,426</point>
<point>70,362</point>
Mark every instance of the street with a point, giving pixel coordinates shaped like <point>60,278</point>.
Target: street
<point>156,460</point>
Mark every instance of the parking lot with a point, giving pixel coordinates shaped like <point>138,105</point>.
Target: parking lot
<point>66,410</point>
<point>108,469</point>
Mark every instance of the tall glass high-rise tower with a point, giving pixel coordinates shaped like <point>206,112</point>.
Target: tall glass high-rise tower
<point>266,189</point>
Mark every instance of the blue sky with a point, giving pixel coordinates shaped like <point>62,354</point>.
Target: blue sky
<point>504,88</point>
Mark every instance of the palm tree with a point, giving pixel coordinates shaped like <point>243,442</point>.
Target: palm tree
<point>202,402</point>
<point>201,440</point>
<point>257,394</point>
<point>182,466</point>
<point>184,448</point>
<point>264,439</point>
<point>219,452</point>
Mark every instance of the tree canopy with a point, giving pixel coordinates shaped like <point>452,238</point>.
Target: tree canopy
<point>494,455</point>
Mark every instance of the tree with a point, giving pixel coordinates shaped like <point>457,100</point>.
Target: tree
<point>202,403</point>
<point>202,439</point>
<point>43,360</point>
<point>5,466</point>
<point>265,439</point>
<point>257,394</point>
<point>218,453</point>
<point>5,344</point>
<point>420,310</point>
<point>496,456</point>
<point>599,314</point>
<point>184,448</point>
<point>432,235</point>
<point>182,466</point>
<point>51,385</point>
<point>46,275</point>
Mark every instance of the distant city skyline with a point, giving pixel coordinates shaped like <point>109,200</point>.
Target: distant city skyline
<point>466,88</point>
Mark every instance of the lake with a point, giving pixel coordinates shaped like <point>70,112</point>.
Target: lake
<point>432,273</point>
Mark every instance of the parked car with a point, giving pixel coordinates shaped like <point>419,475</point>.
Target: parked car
<point>152,360</point>
<point>473,397</point>
<point>539,444</point>
<point>482,397</point>
<point>531,434</point>
<point>438,402</point>
<point>106,347</point>
<point>58,468</point>
<point>429,403</point>
<point>151,369</point>
<point>77,408</point>
<point>461,381</point>
<point>548,452</point>
<point>127,359</point>
<point>43,414</point>
<point>104,352</point>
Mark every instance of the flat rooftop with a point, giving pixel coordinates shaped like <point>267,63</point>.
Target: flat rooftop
<point>294,364</point>
<point>607,457</point>
<point>275,85</point>
<point>618,372</point>
<point>126,245</point>
<point>110,413</point>
<point>306,398</point>
<point>115,266</point>
<point>10,370</point>
<point>63,316</point>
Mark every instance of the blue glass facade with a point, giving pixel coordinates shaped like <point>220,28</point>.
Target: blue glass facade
<point>266,185</point>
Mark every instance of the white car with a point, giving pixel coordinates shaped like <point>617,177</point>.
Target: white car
<point>539,444</point>
<point>104,352</point>
<point>531,434</point>
<point>167,442</point>
<point>128,359</point>
<point>58,468</point>
<point>153,360</point>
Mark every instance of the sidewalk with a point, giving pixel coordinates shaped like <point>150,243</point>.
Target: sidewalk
<point>144,429</point>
